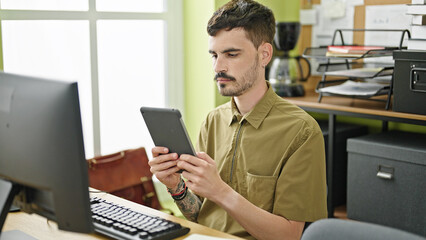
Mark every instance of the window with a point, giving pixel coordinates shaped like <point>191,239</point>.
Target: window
<point>123,54</point>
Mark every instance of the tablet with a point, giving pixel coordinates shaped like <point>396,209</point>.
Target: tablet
<point>167,129</point>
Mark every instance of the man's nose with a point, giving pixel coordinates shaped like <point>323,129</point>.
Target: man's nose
<point>220,65</point>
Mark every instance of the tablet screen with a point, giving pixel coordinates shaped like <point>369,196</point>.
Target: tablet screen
<point>167,129</point>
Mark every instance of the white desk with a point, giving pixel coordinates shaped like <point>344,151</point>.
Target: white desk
<point>38,227</point>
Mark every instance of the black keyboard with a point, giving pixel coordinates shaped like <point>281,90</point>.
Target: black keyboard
<point>120,222</point>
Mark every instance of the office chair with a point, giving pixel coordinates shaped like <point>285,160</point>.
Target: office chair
<point>333,229</point>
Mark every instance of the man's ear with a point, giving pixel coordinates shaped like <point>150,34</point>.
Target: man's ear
<point>265,51</point>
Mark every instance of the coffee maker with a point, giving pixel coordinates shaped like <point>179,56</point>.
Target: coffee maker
<point>286,72</point>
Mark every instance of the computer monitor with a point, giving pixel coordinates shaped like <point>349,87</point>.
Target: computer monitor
<point>42,159</point>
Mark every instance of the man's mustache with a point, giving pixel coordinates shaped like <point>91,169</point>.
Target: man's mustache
<point>223,75</point>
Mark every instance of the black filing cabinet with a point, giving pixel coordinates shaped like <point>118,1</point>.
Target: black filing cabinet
<point>409,84</point>
<point>343,132</point>
<point>387,180</point>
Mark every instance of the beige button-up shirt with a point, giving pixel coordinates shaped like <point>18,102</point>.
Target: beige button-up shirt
<point>273,156</point>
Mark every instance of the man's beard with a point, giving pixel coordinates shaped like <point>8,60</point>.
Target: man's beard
<point>237,88</point>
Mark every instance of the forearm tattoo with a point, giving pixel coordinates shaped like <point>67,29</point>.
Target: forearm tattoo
<point>190,206</point>
<point>188,203</point>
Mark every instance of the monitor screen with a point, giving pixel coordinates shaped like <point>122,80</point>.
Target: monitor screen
<point>42,159</point>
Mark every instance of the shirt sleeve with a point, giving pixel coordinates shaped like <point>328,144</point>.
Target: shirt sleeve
<point>301,193</point>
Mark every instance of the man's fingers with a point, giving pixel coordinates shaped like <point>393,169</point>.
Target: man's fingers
<point>205,157</point>
<point>164,158</point>
<point>167,172</point>
<point>191,159</point>
<point>191,178</point>
<point>159,150</point>
<point>187,166</point>
<point>162,166</point>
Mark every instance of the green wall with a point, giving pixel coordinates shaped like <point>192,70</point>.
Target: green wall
<point>198,75</point>
<point>201,94</point>
<point>1,50</point>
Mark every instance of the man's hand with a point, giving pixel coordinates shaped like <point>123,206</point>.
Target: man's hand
<point>204,180</point>
<point>163,166</point>
<point>202,175</point>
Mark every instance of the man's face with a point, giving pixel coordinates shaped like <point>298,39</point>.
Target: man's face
<point>235,62</point>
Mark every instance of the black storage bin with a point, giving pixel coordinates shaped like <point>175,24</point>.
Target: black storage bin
<point>340,163</point>
<point>409,84</point>
<point>387,180</point>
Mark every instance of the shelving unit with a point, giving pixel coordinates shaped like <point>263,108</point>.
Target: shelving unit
<point>364,76</point>
<point>336,106</point>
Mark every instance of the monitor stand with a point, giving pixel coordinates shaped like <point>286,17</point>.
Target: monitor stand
<point>8,191</point>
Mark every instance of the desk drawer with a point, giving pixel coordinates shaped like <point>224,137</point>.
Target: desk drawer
<point>387,180</point>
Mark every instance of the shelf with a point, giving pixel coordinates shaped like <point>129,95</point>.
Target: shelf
<point>321,53</point>
<point>362,73</point>
<point>345,55</point>
<point>355,89</point>
<point>354,107</point>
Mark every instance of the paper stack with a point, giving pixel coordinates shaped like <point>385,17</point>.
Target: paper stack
<point>417,9</point>
<point>352,88</point>
<point>349,50</point>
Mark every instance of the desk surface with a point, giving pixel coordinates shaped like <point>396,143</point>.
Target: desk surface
<point>38,227</point>
<point>354,107</point>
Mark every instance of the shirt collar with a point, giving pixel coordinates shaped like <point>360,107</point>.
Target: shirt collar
<point>256,116</point>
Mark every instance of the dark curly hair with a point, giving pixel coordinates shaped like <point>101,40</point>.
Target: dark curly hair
<point>257,20</point>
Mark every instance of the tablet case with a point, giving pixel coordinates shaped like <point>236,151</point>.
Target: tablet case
<point>167,129</point>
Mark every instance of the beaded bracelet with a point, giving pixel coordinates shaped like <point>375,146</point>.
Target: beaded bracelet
<point>180,195</point>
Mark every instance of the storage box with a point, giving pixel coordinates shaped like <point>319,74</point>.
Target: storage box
<point>340,163</point>
<point>387,180</point>
<point>409,86</point>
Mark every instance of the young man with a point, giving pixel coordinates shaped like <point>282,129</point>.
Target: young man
<point>260,172</point>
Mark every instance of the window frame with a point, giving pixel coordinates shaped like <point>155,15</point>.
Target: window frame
<point>173,18</point>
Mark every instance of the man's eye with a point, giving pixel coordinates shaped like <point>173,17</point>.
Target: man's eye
<point>214,56</point>
<point>232,54</point>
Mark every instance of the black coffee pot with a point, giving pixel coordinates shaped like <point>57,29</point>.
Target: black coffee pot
<point>286,72</point>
